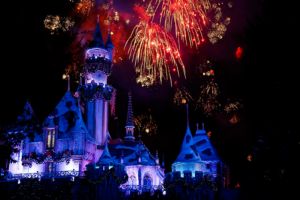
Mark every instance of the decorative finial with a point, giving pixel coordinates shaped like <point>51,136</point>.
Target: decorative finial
<point>187,111</point>
<point>108,31</point>
<point>68,83</point>
<point>202,126</point>
<point>97,18</point>
<point>80,79</point>
<point>197,126</point>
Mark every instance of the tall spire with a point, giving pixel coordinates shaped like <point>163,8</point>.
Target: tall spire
<point>140,150</point>
<point>129,121</point>
<point>109,42</point>
<point>187,112</point>
<point>98,36</point>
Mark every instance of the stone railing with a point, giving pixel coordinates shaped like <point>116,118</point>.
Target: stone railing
<point>143,187</point>
<point>46,175</point>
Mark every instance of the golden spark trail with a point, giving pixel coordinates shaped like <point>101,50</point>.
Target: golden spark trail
<point>188,17</point>
<point>151,47</point>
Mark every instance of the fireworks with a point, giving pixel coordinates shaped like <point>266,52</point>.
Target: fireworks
<point>234,119</point>
<point>208,98</point>
<point>127,21</point>
<point>249,158</point>
<point>54,23</point>
<point>85,6</point>
<point>188,17</point>
<point>145,124</point>
<point>205,69</point>
<point>106,22</point>
<point>232,107</point>
<point>209,134</point>
<point>152,46</point>
<point>64,76</point>
<point>218,29</point>
<point>146,79</point>
<point>239,52</point>
<point>182,96</point>
<point>105,6</point>
<point>230,4</point>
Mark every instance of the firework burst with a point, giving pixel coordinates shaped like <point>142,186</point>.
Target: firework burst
<point>206,69</point>
<point>182,96</point>
<point>188,17</point>
<point>218,28</point>
<point>208,98</point>
<point>232,106</point>
<point>145,124</point>
<point>234,119</point>
<point>55,23</point>
<point>84,6</point>
<point>152,46</point>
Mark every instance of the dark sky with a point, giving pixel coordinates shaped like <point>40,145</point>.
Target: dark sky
<point>27,75</point>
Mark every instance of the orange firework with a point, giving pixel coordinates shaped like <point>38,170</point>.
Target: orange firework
<point>188,17</point>
<point>208,98</point>
<point>151,47</point>
<point>85,6</point>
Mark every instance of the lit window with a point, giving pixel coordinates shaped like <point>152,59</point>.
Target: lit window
<point>50,139</point>
<point>51,167</point>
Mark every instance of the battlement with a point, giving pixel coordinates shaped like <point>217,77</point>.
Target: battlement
<point>189,187</point>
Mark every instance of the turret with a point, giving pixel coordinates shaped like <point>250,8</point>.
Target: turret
<point>98,58</point>
<point>129,123</point>
<point>157,158</point>
<point>110,47</point>
<point>140,151</point>
<point>189,158</point>
<point>96,93</point>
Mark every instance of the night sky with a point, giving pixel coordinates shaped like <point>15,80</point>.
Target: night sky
<point>29,71</point>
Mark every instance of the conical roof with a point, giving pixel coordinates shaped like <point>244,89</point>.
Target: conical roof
<point>79,124</point>
<point>98,37</point>
<point>109,42</point>
<point>188,152</point>
<point>129,121</point>
<point>28,113</point>
<point>105,157</point>
<point>205,148</point>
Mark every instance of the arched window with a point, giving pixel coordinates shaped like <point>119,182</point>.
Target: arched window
<point>147,180</point>
<point>132,180</point>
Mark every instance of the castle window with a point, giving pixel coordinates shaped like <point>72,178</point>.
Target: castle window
<point>147,180</point>
<point>207,166</point>
<point>50,139</point>
<point>51,167</point>
<point>132,180</point>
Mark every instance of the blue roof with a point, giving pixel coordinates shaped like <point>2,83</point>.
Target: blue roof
<point>67,116</point>
<point>205,148</point>
<point>98,37</point>
<point>105,157</point>
<point>130,154</point>
<point>188,152</point>
<point>109,42</point>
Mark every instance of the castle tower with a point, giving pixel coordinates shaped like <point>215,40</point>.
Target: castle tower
<point>96,93</point>
<point>189,158</point>
<point>129,123</point>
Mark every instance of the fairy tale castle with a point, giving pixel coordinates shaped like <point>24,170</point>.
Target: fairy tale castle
<point>76,132</point>
<point>75,136</point>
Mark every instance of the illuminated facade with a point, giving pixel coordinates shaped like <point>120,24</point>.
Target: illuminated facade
<point>76,133</point>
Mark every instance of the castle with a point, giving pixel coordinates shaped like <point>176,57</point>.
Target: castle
<point>75,135</point>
